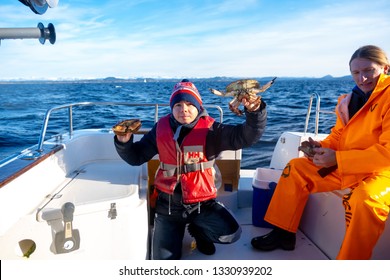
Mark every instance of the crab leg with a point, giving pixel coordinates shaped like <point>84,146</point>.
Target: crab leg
<point>217,92</point>
<point>234,103</point>
<point>267,85</point>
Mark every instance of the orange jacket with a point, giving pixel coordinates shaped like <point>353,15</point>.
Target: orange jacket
<point>362,143</point>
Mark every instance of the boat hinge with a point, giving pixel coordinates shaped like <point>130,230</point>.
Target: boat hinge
<point>112,213</point>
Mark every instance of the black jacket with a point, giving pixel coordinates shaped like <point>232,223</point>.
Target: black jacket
<point>221,137</point>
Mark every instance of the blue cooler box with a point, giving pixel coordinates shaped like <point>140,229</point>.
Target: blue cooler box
<point>263,185</point>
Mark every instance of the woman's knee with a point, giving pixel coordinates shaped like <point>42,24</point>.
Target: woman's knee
<point>368,197</point>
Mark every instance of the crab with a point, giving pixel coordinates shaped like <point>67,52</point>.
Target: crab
<point>308,146</point>
<point>240,89</point>
<point>127,126</point>
<point>307,149</point>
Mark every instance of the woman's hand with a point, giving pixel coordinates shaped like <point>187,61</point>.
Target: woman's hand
<point>314,143</point>
<point>307,147</point>
<point>324,157</point>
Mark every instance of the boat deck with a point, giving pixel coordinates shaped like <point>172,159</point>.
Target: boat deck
<point>243,250</point>
<point>99,184</point>
<point>240,203</point>
<point>110,198</point>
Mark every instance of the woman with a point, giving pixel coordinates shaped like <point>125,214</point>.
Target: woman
<point>187,141</point>
<point>358,152</point>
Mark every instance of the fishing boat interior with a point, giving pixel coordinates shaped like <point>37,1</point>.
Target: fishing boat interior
<point>71,196</point>
<point>77,199</point>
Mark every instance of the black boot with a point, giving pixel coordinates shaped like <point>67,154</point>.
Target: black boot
<point>204,246</point>
<point>277,238</point>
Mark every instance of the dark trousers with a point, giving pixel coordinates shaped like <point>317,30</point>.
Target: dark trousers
<point>211,222</point>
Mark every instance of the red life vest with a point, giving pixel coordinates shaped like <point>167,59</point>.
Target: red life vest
<point>188,164</point>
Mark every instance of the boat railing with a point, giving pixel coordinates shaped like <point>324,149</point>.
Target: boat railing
<point>317,112</point>
<point>70,107</point>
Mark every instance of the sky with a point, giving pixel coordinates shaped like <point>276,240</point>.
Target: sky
<point>192,39</point>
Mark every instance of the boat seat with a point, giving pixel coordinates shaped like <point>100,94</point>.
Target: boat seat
<point>324,223</point>
<point>228,162</point>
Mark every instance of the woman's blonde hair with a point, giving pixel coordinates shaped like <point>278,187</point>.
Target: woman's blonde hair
<point>372,53</point>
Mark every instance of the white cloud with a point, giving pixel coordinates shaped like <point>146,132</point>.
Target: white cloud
<point>196,42</point>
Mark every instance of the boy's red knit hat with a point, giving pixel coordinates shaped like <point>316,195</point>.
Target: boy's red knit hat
<point>186,91</point>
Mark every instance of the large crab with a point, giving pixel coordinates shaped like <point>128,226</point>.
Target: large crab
<point>240,89</point>
<point>127,126</point>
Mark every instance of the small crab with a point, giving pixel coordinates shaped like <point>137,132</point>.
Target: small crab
<point>240,89</point>
<point>308,146</point>
<point>307,149</point>
<point>127,126</point>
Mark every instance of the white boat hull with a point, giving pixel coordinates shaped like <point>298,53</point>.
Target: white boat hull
<point>88,173</point>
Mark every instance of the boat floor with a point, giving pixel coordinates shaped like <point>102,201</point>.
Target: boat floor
<point>243,250</point>
<point>240,250</point>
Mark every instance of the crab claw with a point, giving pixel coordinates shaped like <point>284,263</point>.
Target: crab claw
<point>267,85</point>
<point>220,93</point>
<point>216,92</point>
<point>233,106</point>
<point>235,110</point>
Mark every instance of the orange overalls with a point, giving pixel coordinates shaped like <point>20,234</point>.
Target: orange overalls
<point>362,146</point>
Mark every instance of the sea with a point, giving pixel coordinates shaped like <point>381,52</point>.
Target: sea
<point>24,104</point>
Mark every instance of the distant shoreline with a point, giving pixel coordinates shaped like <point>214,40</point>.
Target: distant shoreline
<point>151,80</point>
